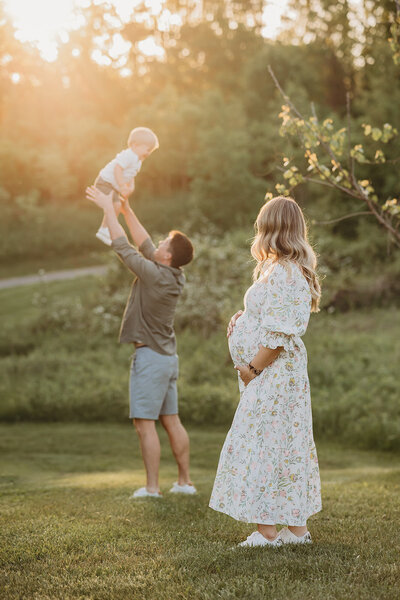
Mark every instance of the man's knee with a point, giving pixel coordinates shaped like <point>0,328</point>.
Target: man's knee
<point>170,421</point>
<point>143,426</point>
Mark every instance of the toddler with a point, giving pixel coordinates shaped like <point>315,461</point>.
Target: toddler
<point>118,176</point>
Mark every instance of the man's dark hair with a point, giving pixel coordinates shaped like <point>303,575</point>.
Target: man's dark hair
<point>181,249</point>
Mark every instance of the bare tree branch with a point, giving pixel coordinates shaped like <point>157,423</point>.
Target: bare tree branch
<point>356,214</point>
<point>351,158</point>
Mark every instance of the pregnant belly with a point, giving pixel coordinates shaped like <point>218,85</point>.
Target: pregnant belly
<point>243,342</point>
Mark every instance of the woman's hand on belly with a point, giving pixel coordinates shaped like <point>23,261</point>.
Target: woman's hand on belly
<point>245,374</point>
<point>232,322</point>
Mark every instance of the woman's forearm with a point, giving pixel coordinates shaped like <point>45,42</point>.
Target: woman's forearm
<point>265,356</point>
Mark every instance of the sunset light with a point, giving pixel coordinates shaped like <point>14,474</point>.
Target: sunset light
<point>46,23</point>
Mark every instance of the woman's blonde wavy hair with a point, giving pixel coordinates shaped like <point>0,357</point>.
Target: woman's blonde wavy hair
<point>281,235</point>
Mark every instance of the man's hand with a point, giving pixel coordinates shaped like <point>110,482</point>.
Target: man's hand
<point>102,200</point>
<point>245,374</point>
<point>232,322</point>
<point>125,206</point>
<point>127,188</point>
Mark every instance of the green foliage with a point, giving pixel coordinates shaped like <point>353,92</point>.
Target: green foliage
<point>331,162</point>
<point>32,230</point>
<point>394,40</point>
<point>63,362</point>
<point>211,103</point>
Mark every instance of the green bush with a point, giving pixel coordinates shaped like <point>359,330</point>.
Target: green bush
<point>60,360</point>
<point>355,387</point>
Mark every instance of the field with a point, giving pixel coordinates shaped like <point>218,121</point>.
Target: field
<point>69,530</point>
<point>60,361</point>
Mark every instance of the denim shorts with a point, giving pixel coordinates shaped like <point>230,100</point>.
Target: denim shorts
<point>106,188</point>
<point>152,384</point>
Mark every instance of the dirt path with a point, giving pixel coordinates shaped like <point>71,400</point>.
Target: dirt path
<point>52,276</point>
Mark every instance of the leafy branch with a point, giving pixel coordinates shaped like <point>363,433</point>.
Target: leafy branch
<point>394,40</point>
<point>333,160</point>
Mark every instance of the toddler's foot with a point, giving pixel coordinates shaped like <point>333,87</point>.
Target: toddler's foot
<point>103,235</point>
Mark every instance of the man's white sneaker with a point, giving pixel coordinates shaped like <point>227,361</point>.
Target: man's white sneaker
<point>288,537</point>
<point>183,489</point>
<point>144,493</point>
<point>257,539</point>
<point>103,235</point>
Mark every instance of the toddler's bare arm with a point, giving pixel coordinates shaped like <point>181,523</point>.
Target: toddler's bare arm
<point>119,176</point>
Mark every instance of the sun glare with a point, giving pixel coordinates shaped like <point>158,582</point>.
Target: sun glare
<point>47,23</point>
<point>43,22</point>
<point>272,17</point>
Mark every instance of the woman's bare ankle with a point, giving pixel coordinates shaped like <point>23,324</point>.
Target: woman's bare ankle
<point>298,530</point>
<point>268,531</point>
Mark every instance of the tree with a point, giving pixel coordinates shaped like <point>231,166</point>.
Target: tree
<point>334,161</point>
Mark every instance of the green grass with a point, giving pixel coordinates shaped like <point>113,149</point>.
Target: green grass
<point>68,529</point>
<point>19,307</point>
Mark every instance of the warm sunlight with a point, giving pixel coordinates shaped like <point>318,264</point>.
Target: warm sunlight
<point>46,23</point>
<point>273,12</point>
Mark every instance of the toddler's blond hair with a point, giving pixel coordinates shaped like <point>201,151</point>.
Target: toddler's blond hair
<point>143,135</point>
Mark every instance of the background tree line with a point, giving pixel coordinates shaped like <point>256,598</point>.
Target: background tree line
<point>216,111</point>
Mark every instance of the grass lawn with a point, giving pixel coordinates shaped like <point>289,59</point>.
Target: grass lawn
<point>68,529</point>
<point>18,308</point>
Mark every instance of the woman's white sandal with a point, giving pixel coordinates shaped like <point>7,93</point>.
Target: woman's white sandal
<point>288,537</point>
<point>257,539</point>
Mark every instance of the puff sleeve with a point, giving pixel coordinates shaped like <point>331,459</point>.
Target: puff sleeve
<point>286,308</point>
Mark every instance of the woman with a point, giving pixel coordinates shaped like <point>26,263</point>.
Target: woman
<point>268,469</point>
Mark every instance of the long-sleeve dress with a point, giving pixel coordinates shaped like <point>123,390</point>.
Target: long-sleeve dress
<point>268,469</point>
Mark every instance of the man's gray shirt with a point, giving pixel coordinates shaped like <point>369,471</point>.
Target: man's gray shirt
<point>150,310</point>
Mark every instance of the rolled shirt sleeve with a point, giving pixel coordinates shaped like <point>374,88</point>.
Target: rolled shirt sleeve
<point>141,266</point>
<point>148,248</point>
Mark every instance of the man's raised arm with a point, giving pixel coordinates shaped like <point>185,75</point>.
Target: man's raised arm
<point>142,267</point>
<point>136,229</point>
<point>105,202</point>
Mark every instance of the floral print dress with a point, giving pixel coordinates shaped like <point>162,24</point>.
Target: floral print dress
<point>268,469</point>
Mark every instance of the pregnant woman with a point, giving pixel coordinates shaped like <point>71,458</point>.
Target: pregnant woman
<point>268,469</point>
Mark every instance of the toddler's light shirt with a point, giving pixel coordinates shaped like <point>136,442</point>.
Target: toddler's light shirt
<point>130,163</point>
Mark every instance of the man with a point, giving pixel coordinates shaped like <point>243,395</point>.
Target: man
<point>148,323</point>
